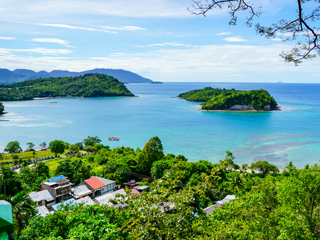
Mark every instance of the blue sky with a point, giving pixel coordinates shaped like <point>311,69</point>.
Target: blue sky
<point>158,39</point>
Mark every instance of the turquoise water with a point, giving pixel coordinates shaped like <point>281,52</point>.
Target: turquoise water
<point>279,137</point>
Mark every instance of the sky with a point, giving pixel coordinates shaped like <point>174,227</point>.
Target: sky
<point>158,39</point>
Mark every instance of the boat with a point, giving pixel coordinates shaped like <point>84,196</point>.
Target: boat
<point>113,138</point>
<point>107,110</point>
<point>53,102</point>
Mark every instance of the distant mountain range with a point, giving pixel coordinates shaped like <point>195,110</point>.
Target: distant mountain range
<point>18,75</point>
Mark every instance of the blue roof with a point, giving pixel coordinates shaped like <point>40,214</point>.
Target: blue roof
<point>56,178</point>
<point>70,201</point>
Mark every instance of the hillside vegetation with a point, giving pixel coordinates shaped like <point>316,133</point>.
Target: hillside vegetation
<point>88,85</point>
<point>222,99</point>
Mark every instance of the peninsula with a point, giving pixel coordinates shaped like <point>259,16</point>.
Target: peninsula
<point>88,85</point>
<point>216,99</point>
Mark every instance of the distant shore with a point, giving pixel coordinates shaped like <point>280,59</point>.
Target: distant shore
<point>45,98</point>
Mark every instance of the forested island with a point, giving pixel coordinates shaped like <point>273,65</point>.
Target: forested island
<point>1,108</point>
<point>231,99</point>
<point>88,85</point>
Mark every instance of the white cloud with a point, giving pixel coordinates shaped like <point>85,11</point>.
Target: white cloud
<point>277,39</point>
<point>50,40</point>
<point>204,63</point>
<point>223,33</point>
<point>168,44</point>
<point>66,26</point>
<point>43,51</point>
<point>235,39</point>
<point>128,28</point>
<point>7,38</point>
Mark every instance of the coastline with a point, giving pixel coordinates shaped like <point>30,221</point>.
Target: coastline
<point>45,98</point>
<point>238,111</point>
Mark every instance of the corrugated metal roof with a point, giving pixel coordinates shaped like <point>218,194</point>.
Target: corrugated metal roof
<point>104,199</point>
<point>85,201</point>
<point>42,195</point>
<point>42,211</point>
<point>105,181</point>
<point>56,178</point>
<point>135,191</point>
<point>94,183</point>
<point>70,201</point>
<point>80,191</point>
<point>3,202</point>
<point>209,209</point>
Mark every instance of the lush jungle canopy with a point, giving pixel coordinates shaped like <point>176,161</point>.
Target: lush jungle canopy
<point>88,85</point>
<point>222,99</point>
<point>269,204</point>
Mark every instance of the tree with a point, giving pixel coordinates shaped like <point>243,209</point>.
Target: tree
<point>152,152</point>
<point>57,146</point>
<point>9,182</point>
<point>43,145</point>
<point>22,208</point>
<point>30,146</point>
<point>91,141</point>
<point>264,167</point>
<point>286,29</point>
<point>13,147</point>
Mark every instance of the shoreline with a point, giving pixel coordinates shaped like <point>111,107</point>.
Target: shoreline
<point>46,98</point>
<point>238,111</point>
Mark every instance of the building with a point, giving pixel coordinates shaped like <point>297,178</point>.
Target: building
<point>142,188</point>
<point>42,198</point>
<point>6,220</point>
<point>105,199</point>
<point>219,204</point>
<point>100,186</point>
<point>81,191</point>
<point>42,211</point>
<point>72,202</point>
<point>59,187</point>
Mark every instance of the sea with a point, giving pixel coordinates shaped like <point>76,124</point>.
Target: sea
<point>279,137</point>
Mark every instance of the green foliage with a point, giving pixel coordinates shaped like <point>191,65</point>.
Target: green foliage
<point>91,141</point>
<point>152,152</point>
<point>221,99</point>
<point>30,146</point>
<point>13,147</point>
<point>84,223</point>
<point>88,85</point>
<point>22,208</point>
<point>76,170</point>
<point>9,181</point>
<point>57,146</point>
<point>1,108</point>
<point>264,167</point>
<point>43,145</point>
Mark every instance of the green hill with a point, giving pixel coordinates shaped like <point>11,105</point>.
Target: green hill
<point>224,99</point>
<point>88,85</point>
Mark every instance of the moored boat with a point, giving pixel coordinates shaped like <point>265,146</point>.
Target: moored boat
<point>113,138</point>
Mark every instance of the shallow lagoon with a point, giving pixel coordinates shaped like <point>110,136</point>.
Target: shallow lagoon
<point>292,134</point>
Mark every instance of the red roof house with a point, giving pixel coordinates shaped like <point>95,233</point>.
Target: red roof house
<point>100,185</point>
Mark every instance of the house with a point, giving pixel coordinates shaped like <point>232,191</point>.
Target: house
<point>104,199</point>
<point>85,201</point>
<point>42,198</point>
<point>100,186</point>
<point>225,200</point>
<point>59,187</point>
<point>81,191</point>
<point>42,211</point>
<point>6,220</point>
<point>142,188</point>
<point>219,204</point>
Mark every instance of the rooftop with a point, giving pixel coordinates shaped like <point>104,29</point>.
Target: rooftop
<point>104,199</point>
<point>42,195</point>
<point>42,211</point>
<point>97,182</point>
<point>80,191</point>
<point>56,178</point>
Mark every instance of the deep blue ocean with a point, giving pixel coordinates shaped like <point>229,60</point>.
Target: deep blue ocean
<point>279,137</point>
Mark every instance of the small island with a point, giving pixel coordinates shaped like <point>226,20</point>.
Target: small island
<point>216,99</point>
<point>1,108</point>
<point>88,85</point>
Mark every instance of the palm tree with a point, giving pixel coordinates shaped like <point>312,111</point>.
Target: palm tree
<point>22,208</point>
